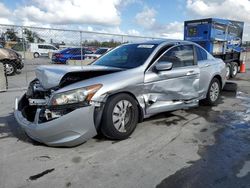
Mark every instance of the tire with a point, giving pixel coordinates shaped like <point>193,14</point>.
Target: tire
<point>117,122</point>
<point>228,69</point>
<point>36,55</point>
<point>213,93</point>
<point>234,69</point>
<point>230,86</point>
<point>10,69</point>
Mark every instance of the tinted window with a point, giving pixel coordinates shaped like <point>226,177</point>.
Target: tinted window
<point>66,50</point>
<point>127,56</point>
<point>101,51</point>
<point>75,51</point>
<point>180,56</point>
<point>51,47</point>
<point>41,46</point>
<point>87,52</point>
<point>201,54</point>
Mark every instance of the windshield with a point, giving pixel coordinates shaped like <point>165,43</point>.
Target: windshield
<point>127,56</point>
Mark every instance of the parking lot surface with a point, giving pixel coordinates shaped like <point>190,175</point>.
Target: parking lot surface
<point>198,147</point>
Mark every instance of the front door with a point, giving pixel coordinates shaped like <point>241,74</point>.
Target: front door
<point>169,89</point>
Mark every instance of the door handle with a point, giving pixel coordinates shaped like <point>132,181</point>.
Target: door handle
<point>207,65</point>
<point>190,72</point>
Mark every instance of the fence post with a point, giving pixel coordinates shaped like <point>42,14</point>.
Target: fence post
<point>24,56</point>
<point>81,46</point>
<point>122,39</point>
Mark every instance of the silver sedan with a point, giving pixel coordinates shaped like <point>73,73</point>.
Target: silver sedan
<point>67,105</point>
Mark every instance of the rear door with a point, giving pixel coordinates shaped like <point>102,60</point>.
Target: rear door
<point>42,49</point>
<point>167,90</point>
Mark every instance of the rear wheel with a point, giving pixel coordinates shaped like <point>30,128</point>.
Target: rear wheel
<point>36,55</point>
<point>213,92</point>
<point>120,117</point>
<point>228,71</point>
<point>234,69</point>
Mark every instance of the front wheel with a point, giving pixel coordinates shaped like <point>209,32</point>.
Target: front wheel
<point>213,92</point>
<point>120,117</point>
<point>10,69</point>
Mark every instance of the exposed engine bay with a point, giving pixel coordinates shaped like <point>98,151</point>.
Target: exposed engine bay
<point>36,101</point>
<point>35,104</point>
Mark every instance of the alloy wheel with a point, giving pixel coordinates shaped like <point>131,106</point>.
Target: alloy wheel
<point>122,115</point>
<point>214,91</point>
<point>227,72</point>
<point>235,69</point>
<point>9,69</point>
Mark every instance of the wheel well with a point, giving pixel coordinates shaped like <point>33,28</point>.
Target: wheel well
<point>6,60</point>
<point>220,80</point>
<point>99,110</point>
<point>141,114</point>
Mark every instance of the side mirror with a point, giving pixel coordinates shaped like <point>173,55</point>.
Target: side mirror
<point>163,65</point>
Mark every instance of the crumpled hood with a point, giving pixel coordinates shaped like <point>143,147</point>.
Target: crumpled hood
<point>50,75</point>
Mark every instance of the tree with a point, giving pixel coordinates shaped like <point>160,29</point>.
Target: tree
<point>11,35</point>
<point>32,36</point>
<point>112,43</point>
<point>29,35</point>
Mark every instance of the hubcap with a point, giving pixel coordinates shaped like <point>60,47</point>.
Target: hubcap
<point>228,72</point>
<point>235,70</point>
<point>214,91</point>
<point>9,69</point>
<point>122,114</point>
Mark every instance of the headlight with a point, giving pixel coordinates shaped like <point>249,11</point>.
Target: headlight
<point>75,96</point>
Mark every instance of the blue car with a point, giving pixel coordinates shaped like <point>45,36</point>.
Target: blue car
<point>69,53</point>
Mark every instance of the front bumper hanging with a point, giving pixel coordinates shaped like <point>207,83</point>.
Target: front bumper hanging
<point>68,130</point>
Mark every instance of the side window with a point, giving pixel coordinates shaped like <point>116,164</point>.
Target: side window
<point>76,51</point>
<point>41,46</point>
<point>180,56</point>
<point>51,47</point>
<point>201,54</point>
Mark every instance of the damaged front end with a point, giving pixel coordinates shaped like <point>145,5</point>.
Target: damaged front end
<point>57,119</point>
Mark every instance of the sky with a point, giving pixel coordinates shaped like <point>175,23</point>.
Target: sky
<point>154,18</point>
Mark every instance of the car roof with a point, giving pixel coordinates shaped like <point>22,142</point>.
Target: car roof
<point>165,41</point>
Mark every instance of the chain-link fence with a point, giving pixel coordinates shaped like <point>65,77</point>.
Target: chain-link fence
<point>22,49</point>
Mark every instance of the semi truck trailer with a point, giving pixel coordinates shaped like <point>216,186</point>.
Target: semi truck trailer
<point>221,37</point>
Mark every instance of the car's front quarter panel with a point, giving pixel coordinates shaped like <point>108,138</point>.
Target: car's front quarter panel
<point>122,81</point>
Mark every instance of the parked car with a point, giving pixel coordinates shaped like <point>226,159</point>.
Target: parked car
<point>41,49</point>
<point>67,105</point>
<point>69,53</point>
<point>12,61</point>
<point>97,54</point>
